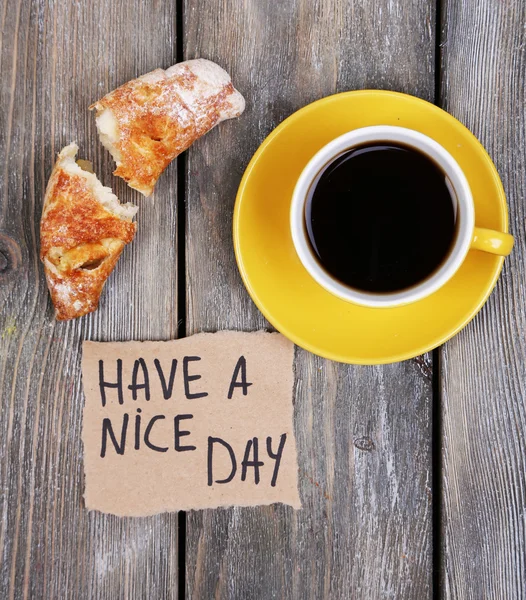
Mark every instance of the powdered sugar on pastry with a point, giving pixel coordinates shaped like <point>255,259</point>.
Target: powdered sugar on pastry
<point>83,231</point>
<point>148,121</point>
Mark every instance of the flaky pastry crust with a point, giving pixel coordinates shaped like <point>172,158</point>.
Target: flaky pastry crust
<point>148,121</point>
<point>83,231</point>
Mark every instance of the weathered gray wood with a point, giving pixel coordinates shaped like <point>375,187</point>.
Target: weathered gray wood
<point>363,432</point>
<point>484,368</point>
<point>56,58</point>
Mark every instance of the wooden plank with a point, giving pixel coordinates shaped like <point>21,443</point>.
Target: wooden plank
<point>56,58</point>
<point>363,432</point>
<point>484,367</point>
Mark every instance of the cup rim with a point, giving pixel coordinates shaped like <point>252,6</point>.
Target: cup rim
<point>424,144</point>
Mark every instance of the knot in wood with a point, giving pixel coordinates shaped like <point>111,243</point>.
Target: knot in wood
<point>364,443</point>
<point>424,366</point>
<point>10,256</point>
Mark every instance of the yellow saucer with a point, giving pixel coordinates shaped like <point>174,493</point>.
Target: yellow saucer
<point>281,287</point>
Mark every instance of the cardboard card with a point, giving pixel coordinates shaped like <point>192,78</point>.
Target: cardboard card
<point>201,422</point>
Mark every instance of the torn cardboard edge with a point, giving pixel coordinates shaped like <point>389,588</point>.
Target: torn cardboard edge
<point>201,422</point>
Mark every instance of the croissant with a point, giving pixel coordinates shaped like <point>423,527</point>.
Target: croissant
<point>148,121</point>
<point>83,231</point>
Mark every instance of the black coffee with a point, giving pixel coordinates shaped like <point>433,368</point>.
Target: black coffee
<point>381,217</point>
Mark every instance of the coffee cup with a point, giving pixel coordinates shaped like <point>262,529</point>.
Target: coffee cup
<point>399,279</point>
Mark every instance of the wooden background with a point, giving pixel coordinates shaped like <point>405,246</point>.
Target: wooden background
<point>413,480</point>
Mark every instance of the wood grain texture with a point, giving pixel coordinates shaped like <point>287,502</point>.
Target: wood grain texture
<point>363,432</point>
<point>56,57</point>
<point>484,367</point>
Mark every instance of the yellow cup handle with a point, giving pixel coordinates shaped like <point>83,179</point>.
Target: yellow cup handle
<point>494,242</point>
